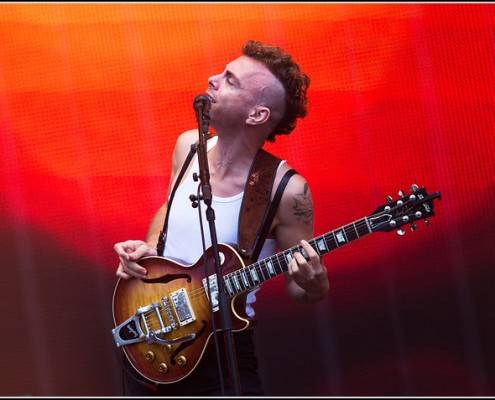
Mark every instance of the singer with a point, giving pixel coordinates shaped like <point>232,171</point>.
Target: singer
<point>258,96</point>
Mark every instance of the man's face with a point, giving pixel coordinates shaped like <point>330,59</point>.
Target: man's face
<point>238,89</point>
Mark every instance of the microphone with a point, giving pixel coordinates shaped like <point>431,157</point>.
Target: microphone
<point>202,102</point>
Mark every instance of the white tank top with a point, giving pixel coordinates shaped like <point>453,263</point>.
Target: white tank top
<point>184,240</point>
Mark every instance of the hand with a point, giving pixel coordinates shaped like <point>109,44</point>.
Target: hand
<point>310,275</point>
<point>129,252</point>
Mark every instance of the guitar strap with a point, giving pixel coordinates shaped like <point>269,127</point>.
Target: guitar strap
<point>267,222</point>
<point>257,212</point>
<point>160,247</point>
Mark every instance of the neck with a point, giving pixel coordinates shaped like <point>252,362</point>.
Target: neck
<point>234,153</point>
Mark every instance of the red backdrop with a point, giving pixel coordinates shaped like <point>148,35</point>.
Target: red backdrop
<point>92,99</point>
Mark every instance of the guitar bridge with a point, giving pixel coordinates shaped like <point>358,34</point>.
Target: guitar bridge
<point>131,330</point>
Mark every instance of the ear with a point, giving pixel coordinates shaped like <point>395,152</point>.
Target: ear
<point>258,115</point>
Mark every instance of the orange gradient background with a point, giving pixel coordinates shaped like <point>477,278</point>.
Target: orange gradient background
<point>92,99</point>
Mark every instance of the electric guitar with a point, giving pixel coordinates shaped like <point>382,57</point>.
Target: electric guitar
<point>164,322</point>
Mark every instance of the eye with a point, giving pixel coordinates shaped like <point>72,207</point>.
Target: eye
<point>229,81</point>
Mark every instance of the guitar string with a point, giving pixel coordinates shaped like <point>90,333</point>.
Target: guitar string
<point>281,256</point>
<point>279,259</point>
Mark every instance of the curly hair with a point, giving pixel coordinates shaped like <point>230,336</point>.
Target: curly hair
<point>294,81</point>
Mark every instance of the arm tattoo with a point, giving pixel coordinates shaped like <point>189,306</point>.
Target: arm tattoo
<point>303,206</point>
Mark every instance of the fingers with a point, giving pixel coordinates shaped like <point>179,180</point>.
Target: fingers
<point>126,249</point>
<point>129,269</point>
<point>133,250</point>
<point>301,264</point>
<point>121,273</point>
<point>129,252</point>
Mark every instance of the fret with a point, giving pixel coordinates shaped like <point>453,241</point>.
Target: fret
<point>236,282</point>
<point>367,225</point>
<point>281,262</point>
<point>287,257</point>
<point>361,229</point>
<point>357,231</point>
<point>346,238</point>
<point>303,252</point>
<point>228,285</point>
<point>335,239</point>
<point>340,238</point>
<point>331,244</point>
<point>244,277</point>
<point>321,246</point>
<point>240,279</point>
<point>350,233</point>
<point>270,268</point>
<point>254,275</point>
<point>364,227</point>
<point>263,270</point>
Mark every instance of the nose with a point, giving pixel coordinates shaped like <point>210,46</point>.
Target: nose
<point>213,81</point>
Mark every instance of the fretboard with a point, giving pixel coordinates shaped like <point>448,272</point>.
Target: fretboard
<point>253,275</point>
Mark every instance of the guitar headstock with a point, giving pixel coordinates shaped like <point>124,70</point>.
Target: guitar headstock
<point>406,210</point>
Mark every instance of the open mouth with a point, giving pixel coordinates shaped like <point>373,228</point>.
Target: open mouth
<point>211,98</point>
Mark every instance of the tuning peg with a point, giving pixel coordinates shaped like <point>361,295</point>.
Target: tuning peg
<point>401,232</point>
<point>401,193</point>
<point>389,199</point>
<point>414,187</point>
<point>427,223</point>
<point>413,227</point>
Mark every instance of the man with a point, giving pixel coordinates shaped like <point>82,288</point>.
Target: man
<point>259,95</point>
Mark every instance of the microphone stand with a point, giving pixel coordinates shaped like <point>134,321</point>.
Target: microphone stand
<point>202,105</point>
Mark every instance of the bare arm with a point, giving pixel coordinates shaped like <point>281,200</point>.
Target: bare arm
<point>131,251</point>
<point>306,280</point>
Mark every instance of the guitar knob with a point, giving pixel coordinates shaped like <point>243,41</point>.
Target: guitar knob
<point>168,348</point>
<point>149,356</point>
<point>401,232</point>
<point>181,360</point>
<point>162,368</point>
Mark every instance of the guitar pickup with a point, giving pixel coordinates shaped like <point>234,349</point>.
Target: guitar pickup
<point>182,307</point>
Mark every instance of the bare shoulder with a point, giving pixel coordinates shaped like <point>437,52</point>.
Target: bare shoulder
<point>183,147</point>
<point>295,212</point>
<point>185,140</point>
<point>296,185</point>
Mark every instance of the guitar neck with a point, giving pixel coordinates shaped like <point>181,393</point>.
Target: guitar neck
<point>253,275</point>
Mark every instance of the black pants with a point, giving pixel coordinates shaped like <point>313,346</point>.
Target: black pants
<point>205,380</point>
